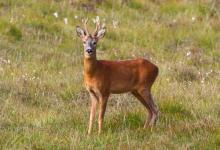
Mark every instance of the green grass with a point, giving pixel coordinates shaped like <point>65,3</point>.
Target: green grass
<point>43,102</point>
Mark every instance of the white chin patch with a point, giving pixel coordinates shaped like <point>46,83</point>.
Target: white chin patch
<point>88,55</point>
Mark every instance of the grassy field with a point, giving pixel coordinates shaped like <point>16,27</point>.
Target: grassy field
<point>43,102</point>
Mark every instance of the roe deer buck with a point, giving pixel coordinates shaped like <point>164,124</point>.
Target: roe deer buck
<point>104,77</point>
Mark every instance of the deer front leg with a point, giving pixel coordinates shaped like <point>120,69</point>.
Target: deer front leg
<point>102,108</point>
<point>94,102</point>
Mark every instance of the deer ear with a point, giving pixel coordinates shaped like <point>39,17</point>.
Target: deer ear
<point>101,33</point>
<point>80,32</point>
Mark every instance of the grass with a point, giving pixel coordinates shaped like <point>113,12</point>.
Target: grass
<point>44,105</point>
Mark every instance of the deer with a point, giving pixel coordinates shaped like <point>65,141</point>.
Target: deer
<point>105,77</point>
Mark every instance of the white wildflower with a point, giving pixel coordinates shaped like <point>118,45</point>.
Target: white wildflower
<point>76,17</point>
<point>207,73</point>
<point>65,20</point>
<point>55,14</point>
<point>203,80</point>
<point>190,83</point>
<point>193,19</point>
<point>188,53</point>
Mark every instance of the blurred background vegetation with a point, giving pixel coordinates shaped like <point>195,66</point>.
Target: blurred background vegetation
<point>44,105</point>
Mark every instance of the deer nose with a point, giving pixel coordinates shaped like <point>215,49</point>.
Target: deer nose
<point>89,50</point>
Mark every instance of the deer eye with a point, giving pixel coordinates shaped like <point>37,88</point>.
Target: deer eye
<point>94,43</point>
<point>84,42</point>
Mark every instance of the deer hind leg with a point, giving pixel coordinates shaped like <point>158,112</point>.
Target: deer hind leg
<point>144,96</point>
<point>155,111</point>
<point>94,102</point>
<point>102,109</point>
<point>142,100</point>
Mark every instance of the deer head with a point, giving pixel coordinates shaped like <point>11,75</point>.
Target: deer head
<point>90,40</point>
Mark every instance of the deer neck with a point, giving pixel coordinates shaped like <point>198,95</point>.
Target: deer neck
<point>90,65</point>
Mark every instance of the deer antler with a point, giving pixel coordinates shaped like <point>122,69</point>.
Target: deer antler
<point>97,28</point>
<point>85,23</point>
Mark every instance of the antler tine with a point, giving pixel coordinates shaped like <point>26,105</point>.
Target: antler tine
<point>97,27</point>
<point>85,23</point>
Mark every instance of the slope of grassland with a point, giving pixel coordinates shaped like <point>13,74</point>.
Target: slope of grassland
<point>44,105</point>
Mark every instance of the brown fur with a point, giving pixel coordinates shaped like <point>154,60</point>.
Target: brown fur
<point>119,76</point>
<point>103,78</point>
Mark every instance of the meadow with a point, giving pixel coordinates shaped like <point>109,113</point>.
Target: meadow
<point>43,102</point>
